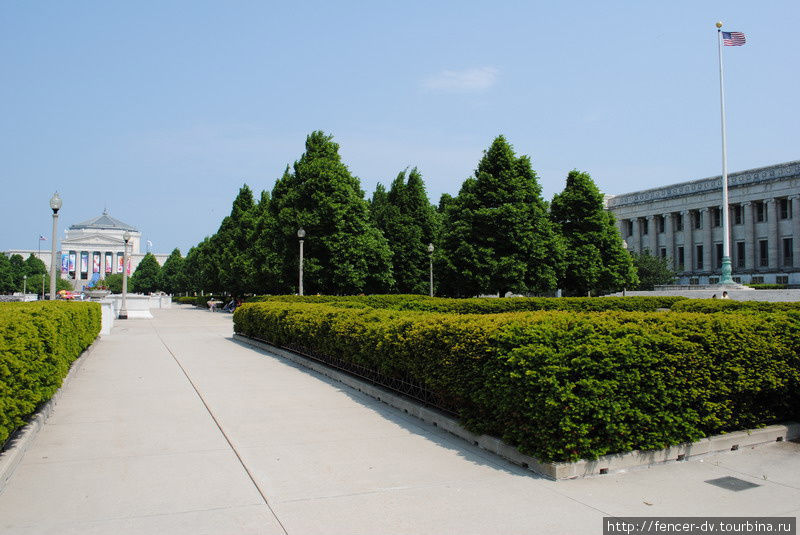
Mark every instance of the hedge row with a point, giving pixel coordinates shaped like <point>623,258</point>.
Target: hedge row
<point>710,306</point>
<point>482,305</point>
<point>38,343</point>
<point>199,300</point>
<point>565,385</point>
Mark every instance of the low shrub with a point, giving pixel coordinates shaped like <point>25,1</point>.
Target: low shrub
<point>38,343</point>
<point>565,385</point>
<point>481,305</point>
<point>710,306</point>
<point>198,300</point>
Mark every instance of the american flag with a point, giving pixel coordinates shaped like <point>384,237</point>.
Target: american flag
<point>42,238</point>
<point>733,38</point>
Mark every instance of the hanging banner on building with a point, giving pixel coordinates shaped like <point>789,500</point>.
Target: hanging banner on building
<point>96,263</point>
<point>109,262</point>
<point>64,263</point>
<point>72,261</point>
<point>119,263</point>
<point>84,262</point>
<point>129,266</point>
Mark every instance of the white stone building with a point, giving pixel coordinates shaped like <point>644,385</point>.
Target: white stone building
<point>683,222</point>
<point>93,249</point>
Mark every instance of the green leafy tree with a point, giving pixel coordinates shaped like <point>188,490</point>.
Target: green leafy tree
<point>17,269</point>
<point>265,259</point>
<point>114,282</point>
<point>146,277</point>
<point>496,233</point>
<point>595,257</point>
<point>34,283</point>
<point>196,268</point>
<point>7,283</point>
<point>232,243</point>
<point>344,252</point>
<point>408,221</point>
<point>652,270</point>
<point>34,266</point>
<point>171,273</point>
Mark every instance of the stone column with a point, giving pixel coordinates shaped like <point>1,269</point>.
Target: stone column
<point>772,233</point>
<point>688,244</point>
<point>636,237</point>
<point>705,213</point>
<point>749,220</point>
<point>796,229</point>
<point>652,233</point>
<point>670,239</point>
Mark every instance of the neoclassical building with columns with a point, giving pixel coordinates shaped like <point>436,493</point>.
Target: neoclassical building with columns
<point>93,249</point>
<point>683,222</point>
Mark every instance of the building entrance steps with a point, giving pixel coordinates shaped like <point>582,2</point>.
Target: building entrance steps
<point>170,426</point>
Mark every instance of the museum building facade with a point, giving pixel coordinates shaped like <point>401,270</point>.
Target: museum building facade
<point>93,249</point>
<point>683,223</point>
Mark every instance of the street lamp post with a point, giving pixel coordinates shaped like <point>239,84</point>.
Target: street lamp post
<point>301,234</point>
<point>123,311</point>
<point>24,284</point>
<point>430,252</point>
<point>55,205</point>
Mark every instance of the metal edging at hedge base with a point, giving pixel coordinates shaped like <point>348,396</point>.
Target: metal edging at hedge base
<point>554,470</point>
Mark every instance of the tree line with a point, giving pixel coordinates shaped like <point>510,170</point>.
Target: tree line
<point>497,235</point>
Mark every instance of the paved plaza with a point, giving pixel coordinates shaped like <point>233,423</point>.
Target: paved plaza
<point>169,426</point>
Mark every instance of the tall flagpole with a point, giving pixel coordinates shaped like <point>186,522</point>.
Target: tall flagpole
<point>726,242</point>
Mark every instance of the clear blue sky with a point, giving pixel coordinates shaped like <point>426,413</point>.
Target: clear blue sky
<point>162,110</point>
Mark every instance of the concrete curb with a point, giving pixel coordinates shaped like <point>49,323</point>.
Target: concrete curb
<point>603,465</point>
<point>24,437</point>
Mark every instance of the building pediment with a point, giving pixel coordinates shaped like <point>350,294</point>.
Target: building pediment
<point>93,240</point>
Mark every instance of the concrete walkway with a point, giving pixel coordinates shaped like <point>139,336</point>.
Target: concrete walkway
<point>171,427</point>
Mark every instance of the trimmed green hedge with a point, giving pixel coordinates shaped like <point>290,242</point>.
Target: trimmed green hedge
<point>199,300</point>
<point>710,306</point>
<point>566,385</point>
<point>38,343</point>
<point>481,305</point>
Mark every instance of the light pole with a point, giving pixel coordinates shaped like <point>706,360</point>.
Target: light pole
<point>55,205</point>
<point>301,234</point>
<point>123,311</point>
<point>24,284</point>
<point>430,252</point>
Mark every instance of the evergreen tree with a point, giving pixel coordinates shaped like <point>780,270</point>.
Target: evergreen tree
<point>34,266</point>
<point>266,272</point>
<point>596,259</point>
<point>34,283</point>
<point>7,284</point>
<point>652,270</point>
<point>232,243</point>
<point>408,222</point>
<point>496,233</point>
<point>171,273</point>
<point>18,269</point>
<point>344,252</point>
<point>114,282</point>
<point>146,277</point>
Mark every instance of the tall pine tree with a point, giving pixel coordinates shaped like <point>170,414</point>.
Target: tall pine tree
<point>232,245</point>
<point>596,260</point>
<point>265,259</point>
<point>344,252</point>
<point>408,221</point>
<point>496,233</point>
<point>171,274</point>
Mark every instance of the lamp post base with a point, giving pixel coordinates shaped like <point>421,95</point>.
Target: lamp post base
<point>725,277</point>
<point>123,315</point>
